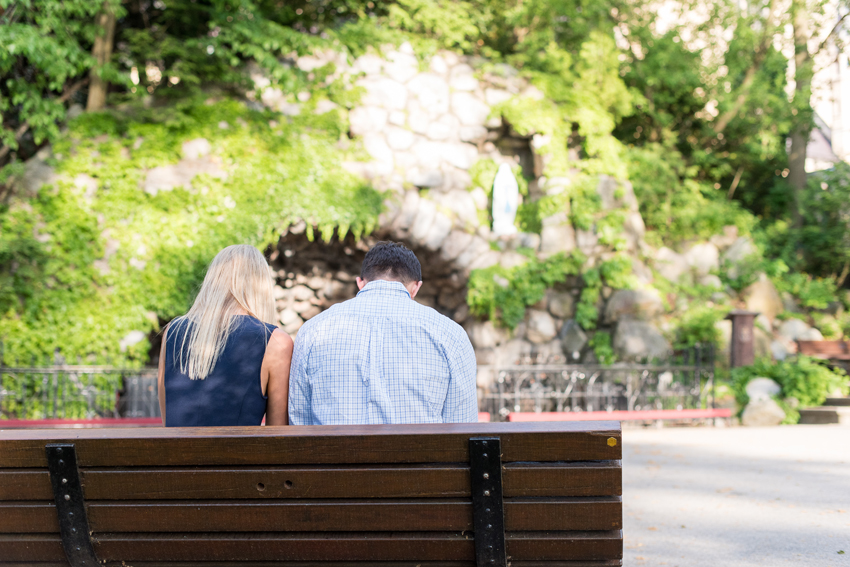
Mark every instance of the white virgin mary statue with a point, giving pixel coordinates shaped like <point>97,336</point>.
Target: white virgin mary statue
<point>505,201</point>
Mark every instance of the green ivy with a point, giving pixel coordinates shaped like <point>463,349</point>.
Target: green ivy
<point>600,342</point>
<point>502,294</point>
<point>278,171</point>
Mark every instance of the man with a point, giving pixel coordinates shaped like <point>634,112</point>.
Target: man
<point>381,357</point>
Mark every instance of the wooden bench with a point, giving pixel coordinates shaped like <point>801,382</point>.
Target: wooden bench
<point>486,494</point>
<point>830,350</point>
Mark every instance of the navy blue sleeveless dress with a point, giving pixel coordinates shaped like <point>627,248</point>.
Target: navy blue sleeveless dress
<point>232,393</point>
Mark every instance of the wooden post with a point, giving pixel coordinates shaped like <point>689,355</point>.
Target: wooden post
<point>741,352</point>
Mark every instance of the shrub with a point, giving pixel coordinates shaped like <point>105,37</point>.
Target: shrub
<point>806,379</point>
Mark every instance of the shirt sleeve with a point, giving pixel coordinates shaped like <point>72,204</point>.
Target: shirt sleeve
<point>300,410</point>
<point>462,398</point>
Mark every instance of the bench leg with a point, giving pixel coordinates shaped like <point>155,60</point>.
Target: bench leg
<point>70,506</point>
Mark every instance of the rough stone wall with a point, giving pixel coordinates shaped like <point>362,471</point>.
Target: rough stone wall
<point>423,129</point>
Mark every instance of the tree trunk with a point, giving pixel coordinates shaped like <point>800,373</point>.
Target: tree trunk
<point>804,70</point>
<point>102,52</point>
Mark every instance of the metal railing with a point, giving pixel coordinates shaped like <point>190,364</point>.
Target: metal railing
<point>683,381</point>
<point>63,391</point>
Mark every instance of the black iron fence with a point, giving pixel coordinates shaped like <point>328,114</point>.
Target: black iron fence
<point>683,381</point>
<point>63,391</point>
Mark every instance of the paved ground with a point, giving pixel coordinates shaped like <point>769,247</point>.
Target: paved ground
<point>737,497</point>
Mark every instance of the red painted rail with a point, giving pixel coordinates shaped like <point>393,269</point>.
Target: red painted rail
<point>620,415</point>
<point>80,423</point>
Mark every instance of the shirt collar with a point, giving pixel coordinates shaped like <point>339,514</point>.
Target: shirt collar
<point>384,286</point>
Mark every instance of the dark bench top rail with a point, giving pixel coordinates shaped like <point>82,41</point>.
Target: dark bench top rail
<point>317,496</point>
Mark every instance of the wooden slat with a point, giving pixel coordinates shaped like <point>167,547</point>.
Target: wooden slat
<point>600,478</point>
<point>426,546</point>
<point>27,484</point>
<point>563,479</point>
<point>600,563</point>
<point>316,516</point>
<point>550,546</point>
<point>563,441</point>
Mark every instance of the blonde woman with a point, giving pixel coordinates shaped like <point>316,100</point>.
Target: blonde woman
<point>225,362</point>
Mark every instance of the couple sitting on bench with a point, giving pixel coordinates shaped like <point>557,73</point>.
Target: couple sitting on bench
<point>379,358</point>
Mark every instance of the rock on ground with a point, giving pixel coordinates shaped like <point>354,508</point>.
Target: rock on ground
<point>760,413</point>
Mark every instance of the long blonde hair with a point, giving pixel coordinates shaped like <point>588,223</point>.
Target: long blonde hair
<point>238,281</point>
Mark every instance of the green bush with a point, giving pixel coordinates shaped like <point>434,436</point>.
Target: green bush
<point>698,326</point>
<point>502,295</point>
<point>806,379</point>
<point>53,296</point>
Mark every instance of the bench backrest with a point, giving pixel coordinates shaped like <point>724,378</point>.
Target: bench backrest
<point>426,494</point>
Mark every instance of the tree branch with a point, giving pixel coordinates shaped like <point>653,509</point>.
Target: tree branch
<point>25,125</point>
<point>761,52</point>
<point>830,34</point>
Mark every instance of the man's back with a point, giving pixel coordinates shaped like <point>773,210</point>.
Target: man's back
<point>382,358</point>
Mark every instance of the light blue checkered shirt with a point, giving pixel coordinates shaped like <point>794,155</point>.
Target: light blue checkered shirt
<point>382,358</point>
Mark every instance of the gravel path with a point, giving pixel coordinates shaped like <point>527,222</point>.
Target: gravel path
<point>737,497</point>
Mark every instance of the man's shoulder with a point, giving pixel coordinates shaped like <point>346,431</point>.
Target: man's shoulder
<point>447,325</point>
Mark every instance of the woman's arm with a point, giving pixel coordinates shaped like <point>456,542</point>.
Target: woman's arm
<point>160,379</point>
<point>275,367</point>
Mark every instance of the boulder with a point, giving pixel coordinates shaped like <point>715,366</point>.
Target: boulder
<point>469,110</point>
<point>365,119</point>
<point>399,138</point>
<point>635,340</point>
<point>558,235</point>
<point>401,66</point>
<point>512,352</point>
<point>472,253</point>
<point>472,133</point>
<point>541,327</point>
<point>762,413</point>
<point>460,155</point>
<point>288,316</point>
<point>793,330</point>
<point>762,297</point>
<point>739,252</point>
<point>376,146</point>
<point>383,92</point>
<point>762,389</point>
<point>561,304</point>
<point>181,174</point>
<point>711,281</point>
<point>196,149</point>
<point>573,340</point>
<point>779,351</point>
<point>485,334</point>
<point>431,92</point>
<point>669,264</point>
<point>438,232</point>
<point>496,96</point>
<point>616,195</point>
<point>37,173</point>
<point>703,258</point>
<point>634,230</point>
<point>423,220</point>
<point>130,339</point>
<point>455,244</point>
<point>641,304</point>
<point>511,259</point>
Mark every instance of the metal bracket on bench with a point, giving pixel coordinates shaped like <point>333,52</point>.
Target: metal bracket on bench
<point>485,475</point>
<point>68,494</point>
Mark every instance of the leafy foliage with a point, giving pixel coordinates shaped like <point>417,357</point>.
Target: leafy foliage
<point>502,294</point>
<point>808,380</point>
<point>53,248</point>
